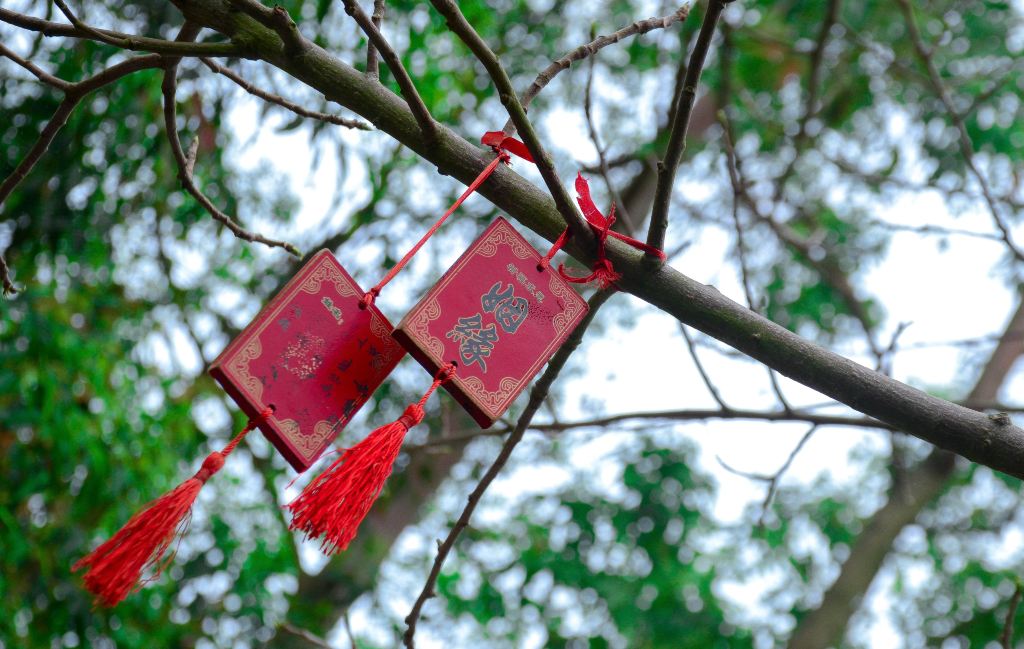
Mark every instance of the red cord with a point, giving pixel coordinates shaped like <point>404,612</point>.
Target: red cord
<point>502,145</point>
<point>332,506</point>
<point>603,271</point>
<point>115,568</point>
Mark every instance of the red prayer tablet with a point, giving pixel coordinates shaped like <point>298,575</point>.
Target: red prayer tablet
<point>497,316</point>
<point>313,355</point>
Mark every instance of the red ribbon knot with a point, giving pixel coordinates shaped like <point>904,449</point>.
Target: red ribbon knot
<point>413,415</point>
<point>212,464</point>
<point>603,272</point>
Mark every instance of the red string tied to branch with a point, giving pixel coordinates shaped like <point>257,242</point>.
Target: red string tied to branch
<point>602,272</point>
<point>115,568</point>
<point>333,504</point>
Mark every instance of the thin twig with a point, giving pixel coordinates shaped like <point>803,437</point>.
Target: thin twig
<point>621,212</point>
<point>700,368</point>
<point>813,92</point>
<point>372,64</point>
<point>73,94</point>
<point>683,109</point>
<point>9,288</point>
<point>458,24</point>
<point>638,28</point>
<point>966,145</point>
<point>40,74</point>
<point>884,364</point>
<point>773,485</point>
<point>537,396</point>
<point>37,42</point>
<point>278,19</point>
<point>348,630</point>
<point>732,166</point>
<point>90,31</point>
<point>818,67</point>
<point>739,190</point>
<point>873,178</point>
<point>169,88</point>
<point>802,415</point>
<point>937,230</point>
<point>308,636</point>
<point>1006,639</point>
<point>730,413</point>
<point>772,480</point>
<point>124,41</point>
<point>398,71</point>
<point>256,91</point>
<point>826,268</point>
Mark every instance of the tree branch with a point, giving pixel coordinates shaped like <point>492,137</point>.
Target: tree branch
<point>458,24</point>
<point>122,40</point>
<point>277,19</point>
<point>43,76</point>
<point>256,91</point>
<point>8,288</point>
<point>966,145</point>
<point>53,126</point>
<point>638,28</point>
<point>683,103</point>
<point>997,444</point>
<point>372,65</point>
<point>537,395</point>
<point>186,164</point>
<point>405,84</point>
<point>73,94</point>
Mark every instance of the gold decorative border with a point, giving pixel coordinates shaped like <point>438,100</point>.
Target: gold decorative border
<point>505,233</point>
<point>310,443</point>
<point>327,272</point>
<point>492,401</point>
<point>236,362</point>
<point>379,327</point>
<point>429,311</point>
<point>238,366</point>
<point>573,307</point>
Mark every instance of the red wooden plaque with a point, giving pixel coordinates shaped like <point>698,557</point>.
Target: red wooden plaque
<point>313,355</point>
<point>497,317</point>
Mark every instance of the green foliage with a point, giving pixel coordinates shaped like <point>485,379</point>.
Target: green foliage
<point>130,289</point>
<point>589,568</point>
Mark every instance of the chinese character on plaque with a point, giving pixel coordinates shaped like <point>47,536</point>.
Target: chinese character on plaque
<point>498,316</point>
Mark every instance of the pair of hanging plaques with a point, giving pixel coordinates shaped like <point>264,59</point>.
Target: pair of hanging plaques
<point>317,351</point>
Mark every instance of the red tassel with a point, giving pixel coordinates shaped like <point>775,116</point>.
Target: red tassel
<point>332,506</point>
<point>114,569</point>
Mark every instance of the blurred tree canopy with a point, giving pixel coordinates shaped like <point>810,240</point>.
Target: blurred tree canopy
<point>810,120</point>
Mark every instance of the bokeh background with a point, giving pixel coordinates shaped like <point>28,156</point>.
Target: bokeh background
<point>825,181</point>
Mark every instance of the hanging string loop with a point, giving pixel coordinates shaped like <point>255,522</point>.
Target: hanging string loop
<point>503,146</point>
